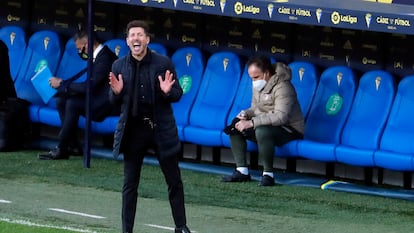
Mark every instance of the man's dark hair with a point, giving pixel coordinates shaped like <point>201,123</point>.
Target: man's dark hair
<point>80,34</point>
<point>140,24</point>
<point>83,33</point>
<point>262,62</point>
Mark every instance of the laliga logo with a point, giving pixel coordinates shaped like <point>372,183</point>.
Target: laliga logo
<point>335,17</point>
<point>240,8</point>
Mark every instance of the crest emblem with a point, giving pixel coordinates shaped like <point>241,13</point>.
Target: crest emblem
<point>377,83</point>
<point>12,37</point>
<point>319,14</point>
<point>339,78</point>
<point>117,50</point>
<point>188,58</point>
<point>301,73</point>
<point>368,18</point>
<point>270,9</point>
<point>46,42</point>
<point>225,63</point>
<point>222,5</point>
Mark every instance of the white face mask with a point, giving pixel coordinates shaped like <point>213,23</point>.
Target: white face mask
<point>259,84</point>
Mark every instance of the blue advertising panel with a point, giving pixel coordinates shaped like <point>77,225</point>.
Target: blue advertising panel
<point>370,15</point>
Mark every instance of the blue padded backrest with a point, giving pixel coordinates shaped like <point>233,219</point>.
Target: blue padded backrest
<point>159,48</point>
<point>71,63</point>
<point>44,48</point>
<point>218,88</point>
<point>370,110</point>
<point>243,97</point>
<point>398,135</point>
<point>331,105</point>
<point>189,65</point>
<point>305,80</point>
<point>15,39</point>
<point>118,46</point>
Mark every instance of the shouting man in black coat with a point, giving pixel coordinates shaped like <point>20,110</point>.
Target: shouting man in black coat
<point>145,84</point>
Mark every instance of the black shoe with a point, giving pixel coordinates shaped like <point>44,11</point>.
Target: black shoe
<point>267,181</point>
<point>55,154</point>
<point>183,229</point>
<point>236,177</point>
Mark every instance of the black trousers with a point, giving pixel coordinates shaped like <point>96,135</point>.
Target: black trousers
<point>140,137</point>
<point>70,108</point>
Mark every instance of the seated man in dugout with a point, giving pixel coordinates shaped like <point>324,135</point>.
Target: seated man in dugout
<point>273,119</point>
<point>71,97</point>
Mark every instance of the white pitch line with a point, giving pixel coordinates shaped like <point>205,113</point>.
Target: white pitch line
<point>77,213</point>
<point>28,223</point>
<point>5,201</point>
<point>163,227</point>
<point>160,227</point>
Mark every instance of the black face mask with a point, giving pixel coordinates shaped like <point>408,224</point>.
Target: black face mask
<point>83,55</point>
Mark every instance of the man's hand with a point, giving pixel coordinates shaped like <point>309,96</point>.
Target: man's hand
<point>55,82</point>
<point>244,124</point>
<point>116,84</point>
<point>167,83</point>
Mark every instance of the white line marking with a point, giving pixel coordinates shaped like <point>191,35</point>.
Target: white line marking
<point>28,223</point>
<point>160,227</point>
<point>76,213</point>
<point>163,227</point>
<point>5,201</point>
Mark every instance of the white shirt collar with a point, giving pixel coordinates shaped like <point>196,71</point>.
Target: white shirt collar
<point>96,51</point>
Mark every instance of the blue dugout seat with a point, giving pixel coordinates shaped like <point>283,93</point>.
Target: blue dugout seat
<point>208,117</point>
<point>105,127</point>
<point>43,49</point>
<point>396,150</point>
<point>15,39</point>
<point>329,111</point>
<point>305,79</point>
<point>159,48</point>
<point>118,46</point>
<point>69,66</point>
<point>366,121</point>
<point>189,65</point>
